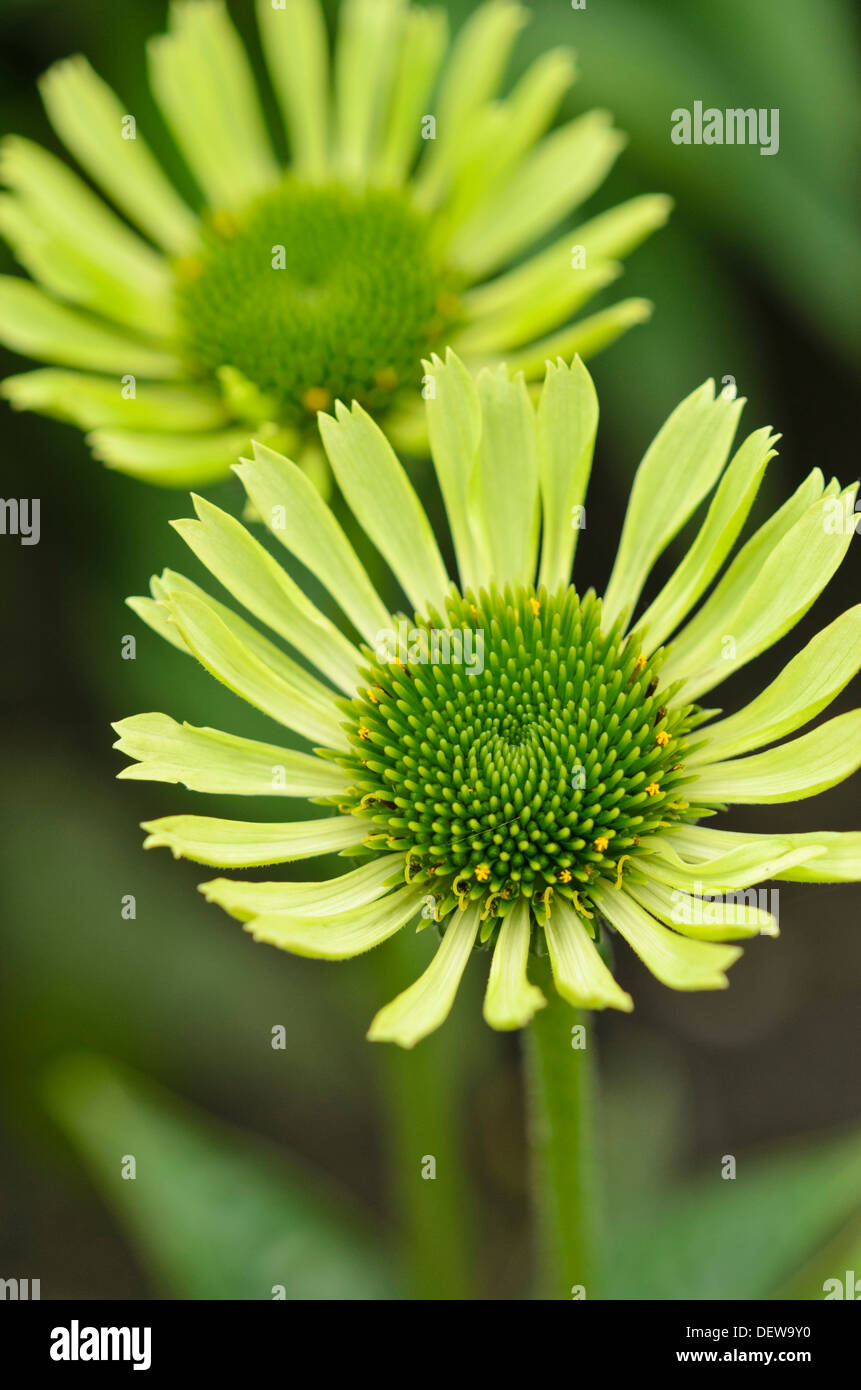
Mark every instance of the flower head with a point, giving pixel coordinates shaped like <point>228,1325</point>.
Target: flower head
<point>409,191</point>
<point>519,762</point>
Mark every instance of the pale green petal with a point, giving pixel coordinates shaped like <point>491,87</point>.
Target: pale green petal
<point>339,938</point>
<point>170,460</point>
<point>328,897</point>
<point>802,767</point>
<point>679,468</point>
<point>510,1000</point>
<point>778,595</point>
<point>567,425</point>
<point>34,324</point>
<point>92,402</point>
<point>561,172</point>
<point>506,485</point>
<point>297,54</point>
<point>692,645</point>
<point>837,858</point>
<point>472,75</point>
<point>91,120</point>
<point>723,920</point>
<point>207,760</point>
<point>297,516</point>
<point>425,35</point>
<point>521,324</point>
<point>248,844</point>
<point>586,338</point>
<point>423,1007</point>
<point>384,502</point>
<point>753,859</point>
<point>261,674</point>
<point>717,535</point>
<point>252,576</point>
<point>605,238</point>
<point>498,139</point>
<point>810,681</point>
<point>579,973</point>
<point>204,85</point>
<point>454,431</point>
<point>70,240</point>
<point>153,612</point>
<point>675,960</point>
<point>369,34</point>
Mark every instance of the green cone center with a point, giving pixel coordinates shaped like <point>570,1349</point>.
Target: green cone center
<point>315,294</point>
<point>510,746</point>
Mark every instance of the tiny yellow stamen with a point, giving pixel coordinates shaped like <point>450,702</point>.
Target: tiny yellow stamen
<point>639,664</point>
<point>482,872</point>
<point>564,877</point>
<point>601,843</point>
<point>373,696</point>
<point>386,378</point>
<point>316,398</point>
<point>535,605</point>
<point>652,789</point>
<point>619,868</point>
<point>364,731</point>
<point>662,738</point>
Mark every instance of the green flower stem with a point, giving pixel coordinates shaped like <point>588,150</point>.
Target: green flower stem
<point>423,1101</point>
<point>561,1097</point>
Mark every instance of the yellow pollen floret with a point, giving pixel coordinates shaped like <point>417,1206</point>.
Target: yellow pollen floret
<point>662,738</point>
<point>652,789</point>
<point>639,663</point>
<point>535,606</point>
<point>482,872</point>
<point>601,843</point>
<point>564,877</point>
<point>364,731</point>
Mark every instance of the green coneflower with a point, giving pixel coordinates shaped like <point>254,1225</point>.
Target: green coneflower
<point>324,278</point>
<point>521,763</point>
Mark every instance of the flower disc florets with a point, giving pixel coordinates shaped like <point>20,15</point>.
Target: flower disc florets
<point>315,293</point>
<point>512,747</point>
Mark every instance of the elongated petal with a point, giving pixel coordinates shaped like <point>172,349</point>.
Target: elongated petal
<point>753,860</point>
<point>520,326</point>
<point>802,767</point>
<point>297,516</point>
<point>510,1000</point>
<point>675,960</point>
<point>153,612</point>
<point>329,897</point>
<point>579,973</point>
<point>561,172</point>
<point>93,402</point>
<point>253,577</point>
<point>384,502</point>
<point>169,460</point>
<point>507,481</point>
<point>92,122</point>
<point>472,75</point>
<point>369,32</point>
<point>260,673</point>
<point>206,90</point>
<point>70,240</point>
<point>244,844</point>
<point>425,35</point>
<point>454,430</point>
<point>791,578</point>
<point>421,1009</point>
<point>693,646</point>
<point>717,535</point>
<point>605,238</point>
<point>297,53</point>
<point>809,682</point>
<point>680,466</point>
<point>567,425</point>
<point>703,919</point>
<point>586,337</point>
<point>837,857</point>
<point>207,760</point>
<point>34,324</point>
<point>339,938</point>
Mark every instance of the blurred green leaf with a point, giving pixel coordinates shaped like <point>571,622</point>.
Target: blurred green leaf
<point>743,1237</point>
<point>211,1212</point>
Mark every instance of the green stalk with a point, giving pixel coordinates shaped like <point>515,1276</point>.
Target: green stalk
<point>561,1097</point>
<point>423,1103</point>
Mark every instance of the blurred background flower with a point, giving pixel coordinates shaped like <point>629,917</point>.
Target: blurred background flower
<point>755,278</point>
